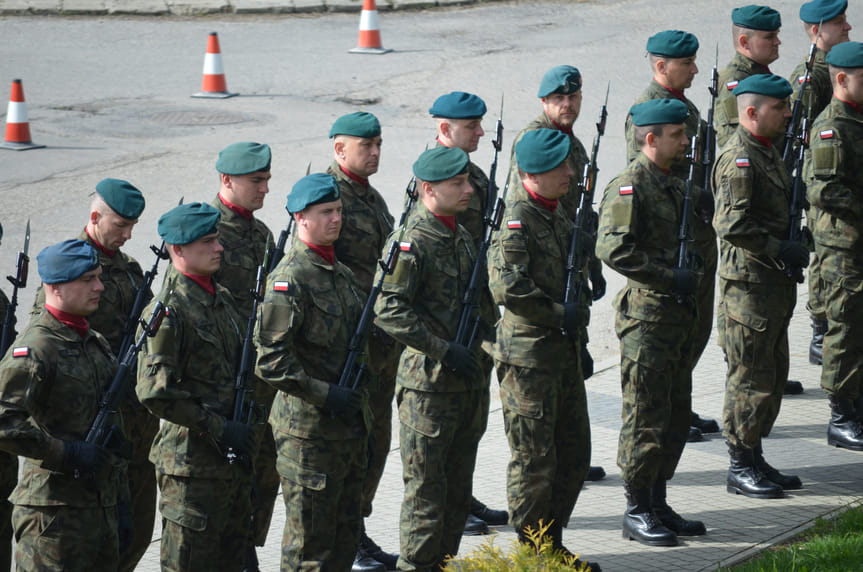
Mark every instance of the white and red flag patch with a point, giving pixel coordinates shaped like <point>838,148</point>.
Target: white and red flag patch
<point>731,84</point>
<point>280,286</point>
<point>405,246</point>
<point>802,78</point>
<point>23,351</point>
<point>826,134</point>
<point>513,224</point>
<point>625,190</point>
<point>742,162</point>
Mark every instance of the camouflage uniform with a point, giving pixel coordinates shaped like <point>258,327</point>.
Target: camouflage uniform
<point>638,228</point>
<point>186,376</point>
<point>725,119</point>
<point>59,372</point>
<point>122,276</point>
<point>442,415</point>
<point>703,235</point>
<point>308,317</point>
<point>366,224</point>
<point>245,243</point>
<point>834,179</point>
<point>753,194</point>
<point>541,390</point>
<point>8,472</point>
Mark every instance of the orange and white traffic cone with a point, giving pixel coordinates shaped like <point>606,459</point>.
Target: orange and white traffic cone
<point>369,41</point>
<point>214,85</point>
<point>17,125</point>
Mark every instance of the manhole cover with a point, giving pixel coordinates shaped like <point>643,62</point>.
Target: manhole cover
<point>196,117</point>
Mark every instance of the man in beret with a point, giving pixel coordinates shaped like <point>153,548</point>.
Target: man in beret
<point>8,463</point>
<point>537,348</point>
<point>441,390</point>
<point>672,59</point>
<point>114,212</point>
<point>186,376</point>
<point>244,175</point>
<point>560,95</point>
<point>757,296</point>
<point>309,315</point>
<point>458,122</point>
<point>51,384</point>
<point>657,318</point>
<point>826,25</point>
<point>366,223</point>
<point>834,181</point>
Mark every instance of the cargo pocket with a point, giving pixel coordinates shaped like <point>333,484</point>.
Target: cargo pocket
<point>186,516</point>
<point>528,428</point>
<point>745,338</point>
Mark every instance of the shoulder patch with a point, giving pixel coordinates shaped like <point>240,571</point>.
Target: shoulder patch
<point>405,246</point>
<point>281,287</point>
<point>731,85</point>
<point>23,351</point>
<point>826,134</point>
<point>625,189</point>
<point>802,78</point>
<point>742,162</point>
<point>513,224</point>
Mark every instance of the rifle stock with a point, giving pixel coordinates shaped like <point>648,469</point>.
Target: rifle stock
<point>22,269</point>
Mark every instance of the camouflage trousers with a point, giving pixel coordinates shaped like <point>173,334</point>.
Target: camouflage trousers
<point>439,435</point>
<point>322,487</point>
<point>265,485</point>
<point>66,538</point>
<point>656,383</point>
<point>204,521</point>
<point>842,372</point>
<point>141,427</point>
<point>756,343</point>
<point>547,426</point>
<point>816,305</point>
<point>704,303</point>
<point>8,480</point>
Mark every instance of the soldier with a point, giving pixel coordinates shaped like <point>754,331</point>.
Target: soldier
<point>536,350</point>
<point>834,181</point>
<point>657,318</point>
<point>826,25</point>
<point>114,212</point>
<point>458,121</point>
<point>442,393</point>
<point>757,296</point>
<point>8,463</point>
<point>244,174</point>
<point>366,223</point>
<point>309,314</point>
<point>51,383</point>
<point>672,58</point>
<point>186,376</point>
<point>560,95</point>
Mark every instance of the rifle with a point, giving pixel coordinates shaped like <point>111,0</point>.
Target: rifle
<point>279,252</point>
<point>794,123</point>
<point>497,143</point>
<point>585,218</point>
<point>710,133</point>
<point>684,257</point>
<point>18,281</point>
<point>242,413</point>
<point>797,231</point>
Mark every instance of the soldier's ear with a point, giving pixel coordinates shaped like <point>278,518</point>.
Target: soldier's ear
<point>339,147</point>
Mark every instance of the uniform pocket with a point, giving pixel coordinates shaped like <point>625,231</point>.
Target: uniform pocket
<point>303,477</point>
<point>187,516</point>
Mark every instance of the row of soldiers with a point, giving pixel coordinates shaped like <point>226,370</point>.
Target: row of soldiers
<point>326,441</point>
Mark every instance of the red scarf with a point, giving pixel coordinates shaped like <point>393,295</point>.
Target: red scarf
<point>245,213</point>
<point>327,252</point>
<point>361,180</point>
<point>102,249</point>
<point>77,323</point>
<point>548,204</point>
<point>205,282</point>
<point>763,140</point>
<point>448,220</point>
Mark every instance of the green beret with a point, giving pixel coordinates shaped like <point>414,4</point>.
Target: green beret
<point>757,18</point>
<point>187,223</point>
<point>659,111</point>
<point>846,55</point>
<point>244,158</point>
<point>312,190</point>
<point>123,198</point>
<point>764,84</point>
<point>66,261</point>
<point>541,150</point>
<point>440,164</point>
<point>458,105</point>
<point>560,79</point>
<point>358,124</point>
<point>822,10</point>
<point>672,44</point>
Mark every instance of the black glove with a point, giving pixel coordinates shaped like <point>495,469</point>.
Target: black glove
<point>124,525</point>
<point>586,363</point>
<point>597,283</point>
<point>587,242</point>
<point>572,318</point>
<point>238,436</point>
<point>343,400</point>
<point>794,254</point>
<point>84,458</point>
<point>705,206</point>
<point>683,282</point>
<point>461,360</point>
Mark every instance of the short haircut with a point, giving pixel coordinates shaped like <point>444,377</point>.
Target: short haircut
<point>641,132</point>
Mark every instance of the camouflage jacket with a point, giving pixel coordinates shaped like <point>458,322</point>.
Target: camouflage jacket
<point>305,325</point>
<point>527,275</point>
<point>186,376</point>
<point>639,222</point>
<point>121,276</point>
<point>51,383</point>
<point>725,119</point>
<point>421,301</point>
<point>753,194</point>
<point>834,177</point>
<point>820,90</point>
<point>366,223</point>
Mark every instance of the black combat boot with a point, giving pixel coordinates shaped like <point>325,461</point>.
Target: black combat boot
<point>745,479</point>
<point>673,521</point>
<point>694,435</point>
<point>555,531</point>
<point>474,526</point>
<point>845,429</point>
<point>641,523</point>
<point>595,473</point>
<point>787,482</point>
<point>816,346</point>
<point>363,562</point>
<point>250,560</point>
<point>792,387</point>
<point>375,552</point>
<point>704,424</point>
<point>489,515</point>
